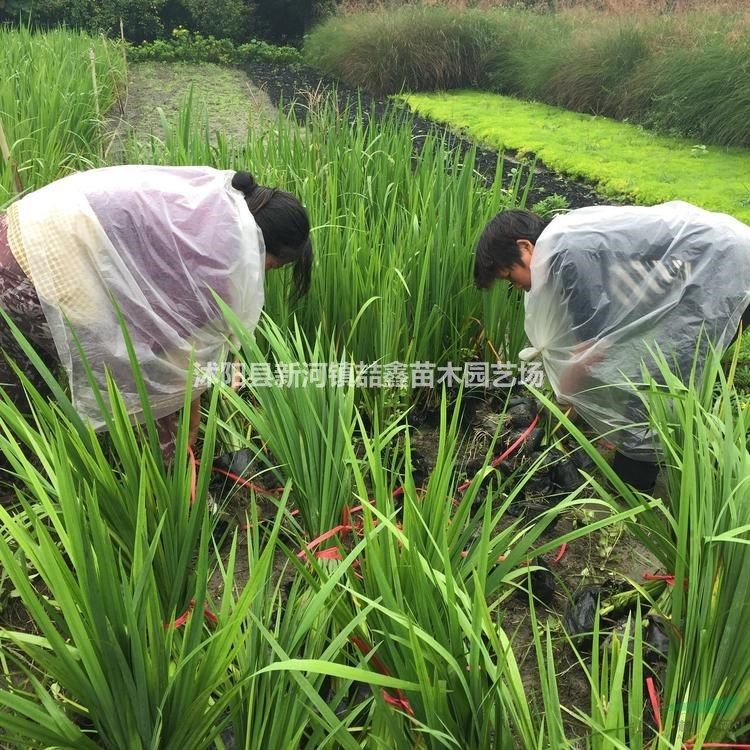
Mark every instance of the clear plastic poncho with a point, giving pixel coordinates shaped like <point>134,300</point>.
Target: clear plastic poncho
<point>610,283</point>
<point>157,240</point>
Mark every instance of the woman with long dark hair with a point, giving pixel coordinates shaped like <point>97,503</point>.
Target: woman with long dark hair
<point>153,248</point>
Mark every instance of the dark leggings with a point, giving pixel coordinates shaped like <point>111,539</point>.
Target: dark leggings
<point>641,475</point>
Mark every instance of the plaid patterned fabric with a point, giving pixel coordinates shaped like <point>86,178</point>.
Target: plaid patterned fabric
<point>59,246</point>
<point>14,239</point>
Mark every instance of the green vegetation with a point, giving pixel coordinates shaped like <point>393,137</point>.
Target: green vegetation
<point>679,73</point>
<point>184,46</point>
<point>53,121</point>
<point>414,48</point>
<point>134,626</point>
<point>621,160</point>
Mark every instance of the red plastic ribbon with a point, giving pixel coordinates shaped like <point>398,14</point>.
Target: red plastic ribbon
<point>322,538</point>
<point>655,705</point>
<point>516,444</point>
<point>399,701</point>
<point>183,618</point>
<point>653,695</point>
<point>244,482</point>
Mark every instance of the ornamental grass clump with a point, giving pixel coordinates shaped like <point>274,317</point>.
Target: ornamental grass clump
<point>127,647</point>
<point>407,47</point>
<point>281,681</point>
<point>127,465</point>
<point>115,585</point>
<point>124,675</point>
<point>302,409</point>
<point>702,427</point>
<point>392,245</point>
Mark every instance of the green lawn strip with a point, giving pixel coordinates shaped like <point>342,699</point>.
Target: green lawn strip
<point>622,160</point>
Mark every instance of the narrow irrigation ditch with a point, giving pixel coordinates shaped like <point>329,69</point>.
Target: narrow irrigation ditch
<point>302,87</point>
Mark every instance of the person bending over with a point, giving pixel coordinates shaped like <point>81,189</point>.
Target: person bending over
<point>153,245</point>
<point>608,286</point>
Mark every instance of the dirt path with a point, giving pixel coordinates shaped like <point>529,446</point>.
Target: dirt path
<point>157,91</point>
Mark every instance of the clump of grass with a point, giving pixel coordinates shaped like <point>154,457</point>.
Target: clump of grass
<point>412,47</point>
<point>702,427</point>
<point>594,70</point>
<point>702,93</point>
<point>699,533</point>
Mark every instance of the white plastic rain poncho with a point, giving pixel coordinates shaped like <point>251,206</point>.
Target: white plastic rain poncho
<point>610,282</point>
<point>158,240</point>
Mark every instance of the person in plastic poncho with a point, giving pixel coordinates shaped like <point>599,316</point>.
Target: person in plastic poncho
<point>159,241</point>
<point>607,284</point>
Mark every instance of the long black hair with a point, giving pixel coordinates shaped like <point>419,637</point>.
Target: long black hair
<point>285,226</point>
<point>497,249</point>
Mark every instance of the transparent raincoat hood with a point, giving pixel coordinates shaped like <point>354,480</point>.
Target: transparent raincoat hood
<point>158,240</point>
<point>610,283</point>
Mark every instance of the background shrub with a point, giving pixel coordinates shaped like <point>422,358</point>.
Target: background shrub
<point>185,46</point>
<point>146,20</point>
<point>412,47</point>
<point>225,19</point>
<point>685,74</point>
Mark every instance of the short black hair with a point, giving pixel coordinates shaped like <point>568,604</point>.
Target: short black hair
<point>497,248</point>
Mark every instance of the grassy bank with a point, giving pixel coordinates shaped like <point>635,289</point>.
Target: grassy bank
<point>51,112</point>
<point>622,160</point>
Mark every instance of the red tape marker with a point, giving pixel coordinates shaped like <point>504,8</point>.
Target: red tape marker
<point>183,618</point>
<point>655,705</point>
<point>516,444</point>
<point>653,695</point>
<point>244,482</point>
<point>400,701</point>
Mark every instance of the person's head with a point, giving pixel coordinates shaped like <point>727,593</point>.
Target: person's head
<point>285,227</point>
<point>505,248</point>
